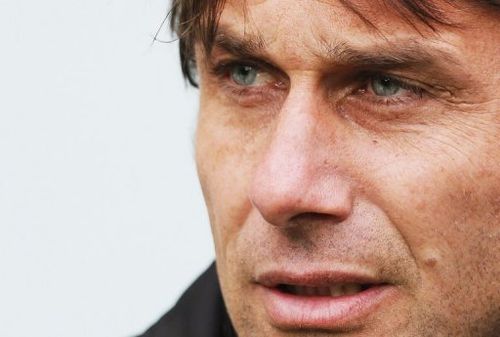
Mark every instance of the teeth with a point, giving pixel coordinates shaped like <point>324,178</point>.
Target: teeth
<point>336,291</point>
<point>333,291</point>
<point>310,291</point>
<point>323,291</point>
<point>351,289</point>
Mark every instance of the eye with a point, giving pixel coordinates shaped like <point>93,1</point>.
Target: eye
<point>385,86</point>
<point>248,82</point>
<point>249,76</point>
<point>244,75</point>
<point>386,89</point>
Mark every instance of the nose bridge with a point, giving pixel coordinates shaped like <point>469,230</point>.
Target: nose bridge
<point>293,177</point>
<point>289,153</point>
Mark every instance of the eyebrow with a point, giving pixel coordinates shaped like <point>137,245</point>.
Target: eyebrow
<point>251,46</point>
<point>397,54</point>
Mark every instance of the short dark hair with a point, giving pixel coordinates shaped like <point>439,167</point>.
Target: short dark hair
<point>196,21</point>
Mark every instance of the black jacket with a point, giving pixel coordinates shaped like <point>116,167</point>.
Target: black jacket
<point>200,312</point>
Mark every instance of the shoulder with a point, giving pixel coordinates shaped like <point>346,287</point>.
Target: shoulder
<point>199,312</point>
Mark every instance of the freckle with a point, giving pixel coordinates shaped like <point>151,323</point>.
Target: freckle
<point>375,141</point>
<point>430,262</point>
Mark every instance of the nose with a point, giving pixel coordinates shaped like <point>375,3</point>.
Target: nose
<point>299,174</point>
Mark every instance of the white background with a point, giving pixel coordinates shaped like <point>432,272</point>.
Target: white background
<point>102,223</point>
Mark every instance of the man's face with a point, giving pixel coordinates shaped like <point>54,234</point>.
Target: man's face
<point>352,172</point>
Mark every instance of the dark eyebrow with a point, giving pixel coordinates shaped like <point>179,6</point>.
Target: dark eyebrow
<point>397,54</point>
<point>424,55</point>
<point>250,46</point>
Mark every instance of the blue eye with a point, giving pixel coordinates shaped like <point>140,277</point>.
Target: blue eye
<point>244,75</point>
<point>385,86</point>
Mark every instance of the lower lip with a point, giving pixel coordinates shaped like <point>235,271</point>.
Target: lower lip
<point>287,311</point>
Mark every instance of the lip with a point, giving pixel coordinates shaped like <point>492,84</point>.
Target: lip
<point>344,313</point>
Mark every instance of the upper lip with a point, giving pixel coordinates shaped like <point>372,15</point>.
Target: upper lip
<point>314,278</point>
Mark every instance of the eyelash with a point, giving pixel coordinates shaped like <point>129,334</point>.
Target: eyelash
<point>367,77</point>
<point>222,71</point>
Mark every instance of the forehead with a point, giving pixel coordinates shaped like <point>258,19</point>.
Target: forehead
<point>309,21</point>
<point>301,29</point>
<point>276,19</point>
<point>343,14</point>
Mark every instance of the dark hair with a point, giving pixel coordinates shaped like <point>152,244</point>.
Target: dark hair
<point>197,21</point>
<point>194,21</point>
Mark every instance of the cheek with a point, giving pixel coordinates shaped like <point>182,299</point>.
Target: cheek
<point>443,195</point>
<point>226,154</point>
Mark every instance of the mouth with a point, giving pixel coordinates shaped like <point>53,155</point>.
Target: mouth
<point>322,300</point>
<point>333,291</point>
